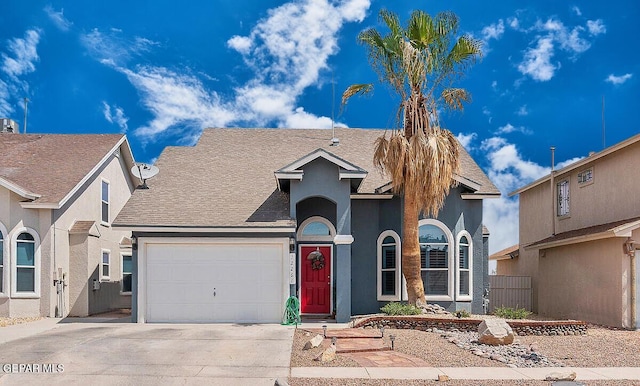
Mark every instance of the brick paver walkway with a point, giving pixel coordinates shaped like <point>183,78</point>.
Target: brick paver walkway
<point>369,349</point>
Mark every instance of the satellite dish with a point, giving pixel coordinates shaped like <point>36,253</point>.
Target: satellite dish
<point>144,172</point>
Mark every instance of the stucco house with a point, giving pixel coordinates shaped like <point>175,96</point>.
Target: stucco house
<point>59,194</point>
<point>579,231</point>
<point>232,227</point>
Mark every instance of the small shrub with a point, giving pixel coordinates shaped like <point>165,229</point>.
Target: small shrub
<point>395,308</point>
<point>462,314</point>
<point>511,313</point>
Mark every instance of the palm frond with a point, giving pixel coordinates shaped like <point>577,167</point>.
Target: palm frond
<point>355,89</point>
<point>454,97</point>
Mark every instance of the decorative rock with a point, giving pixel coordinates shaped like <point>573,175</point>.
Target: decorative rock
<point>433,309</point>
<point>443,378</point>
<point>327,355</point>
<point>313,342</point>
<point>561,376</point>
<point>280,382</point>
<point>533,347</point>
<point>495,332</point>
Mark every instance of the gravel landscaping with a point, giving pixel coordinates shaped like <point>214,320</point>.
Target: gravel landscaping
<point>455,382</point>
<point>600,347</point>
<point>4,322</point>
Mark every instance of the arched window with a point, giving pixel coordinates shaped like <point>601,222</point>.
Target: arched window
<point>464,266</point>
<point>25,273</point>
<point>316,228</point>
<point>436,259</point>
<point>389,272</point>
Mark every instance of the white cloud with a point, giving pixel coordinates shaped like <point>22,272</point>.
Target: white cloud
<point>115,115</point>
<point>178,102</point>
<point>576,10</point>
<point>301,119</point>
<point>466,139</point>
<point>57,17</point>
<point>492,31</point>
<point>19,61</point>
<point>616,80</point>
<point>242,44</point>
<point>287,51</point>
<point>537,61</point>
<point>522,111</point>
<point>5,107</point>
<point>509,128</point>
<point>596,27</point>
<point>23,54</point>
<point>113,47</point>
<point>513,22</point>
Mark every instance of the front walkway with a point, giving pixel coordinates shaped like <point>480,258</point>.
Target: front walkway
<point>467,373</point>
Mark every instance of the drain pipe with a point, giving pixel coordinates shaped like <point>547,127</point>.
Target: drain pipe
<point>631,251</point>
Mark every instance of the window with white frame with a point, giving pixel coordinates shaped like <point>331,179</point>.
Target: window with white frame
<point>105,265</point>
<point>389,272</point>
<point>435,259</point>
<point>105,201</point>
<point>563,198</point>
<point>464,266</point>
<point>25,274</point>
<point>316,228</point>
<point>127,273</point>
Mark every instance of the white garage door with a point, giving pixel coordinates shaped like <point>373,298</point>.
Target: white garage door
<point>215,282</point>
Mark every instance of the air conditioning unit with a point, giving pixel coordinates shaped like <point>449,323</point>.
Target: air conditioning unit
<point>9,126</point>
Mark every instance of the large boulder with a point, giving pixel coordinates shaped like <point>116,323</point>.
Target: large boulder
<point>313,342</point>
<point>566,375</point>
<point>327,355</point>
<point>495,332</point>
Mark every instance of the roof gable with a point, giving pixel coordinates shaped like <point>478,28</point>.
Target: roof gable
<point>48,169</point>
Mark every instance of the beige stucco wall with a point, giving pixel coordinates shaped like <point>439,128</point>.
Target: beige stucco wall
<point>87,206</point>
<point>611,197</point>
<point>585,281</point>
<point>14,218</point>
<point>52,227</point>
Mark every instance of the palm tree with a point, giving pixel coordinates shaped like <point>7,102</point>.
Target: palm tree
<point>419,62</point>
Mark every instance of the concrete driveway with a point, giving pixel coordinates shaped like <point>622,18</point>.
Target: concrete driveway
<point>144,354</point>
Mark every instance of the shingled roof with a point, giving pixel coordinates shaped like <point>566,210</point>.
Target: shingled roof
<point>227,179</point>
<point>46,168</point>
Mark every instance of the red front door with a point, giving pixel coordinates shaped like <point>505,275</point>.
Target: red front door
<point>315,279</point>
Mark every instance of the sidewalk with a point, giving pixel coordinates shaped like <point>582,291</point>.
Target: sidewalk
<point>469,373</point>
<point>25,330</point>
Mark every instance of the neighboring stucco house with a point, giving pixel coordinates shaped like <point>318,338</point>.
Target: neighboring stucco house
<point>579,229</point>
<point>232,227</point>
<point>59,194</point>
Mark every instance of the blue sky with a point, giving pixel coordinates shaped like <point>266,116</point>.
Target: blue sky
<point>160,73</point>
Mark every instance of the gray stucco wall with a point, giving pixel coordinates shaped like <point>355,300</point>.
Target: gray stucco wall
<point>321,179</point>
<point>372,217</point>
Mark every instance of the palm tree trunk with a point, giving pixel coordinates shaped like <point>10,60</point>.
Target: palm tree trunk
<point>411,251</point>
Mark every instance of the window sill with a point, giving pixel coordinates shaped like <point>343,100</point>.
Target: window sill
<point>389,298</point>
<point>105,224</point>
<point>564,217</point>
<point>25,295</point>
<point>464,298</point>
<point>445,298</point>
<point>125,293</point>
<point>105,280</point>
